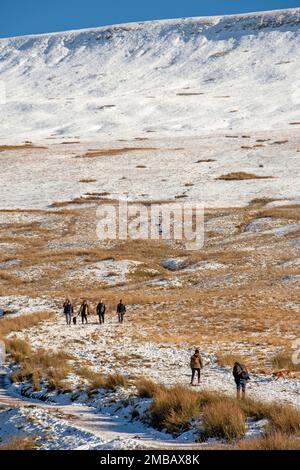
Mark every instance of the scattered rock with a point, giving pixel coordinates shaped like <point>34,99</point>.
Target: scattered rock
<point>174,264</point>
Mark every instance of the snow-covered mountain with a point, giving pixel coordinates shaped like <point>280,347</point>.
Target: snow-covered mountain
<point>177,77</point>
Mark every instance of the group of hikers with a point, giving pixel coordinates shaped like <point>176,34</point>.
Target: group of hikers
<point>84,311</point>
<point>240,373</point>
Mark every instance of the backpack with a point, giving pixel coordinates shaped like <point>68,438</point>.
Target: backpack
<point>242,371</point>
<point>195,361</point>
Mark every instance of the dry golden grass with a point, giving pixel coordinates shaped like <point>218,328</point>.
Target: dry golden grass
<point>284,419</point>
<point>283,360</point>
<point>87,180</point>
<point>221,416</point>
<point>259,304</point>
<point>18,349</point>
<point>22,322</point>
<point>38,365</point>
<point>241,175</point>
<point>7,277</point>
<point>118,151</point>
<point>97,380</point>
<point>273,441</point>
<point>6,148</point>
<point>33,365</point>
<point>147,271</point>
<point>114,381</point>
<point>224,420</point>
<point>263,200</point>
<point>19,443</point>
<point>70,142</point>
<point>87,199</point>
<point>291,212</point>
<point>147,388</point>
<point>256,409</point>
<point>173,408</point>
<point>229,359</point>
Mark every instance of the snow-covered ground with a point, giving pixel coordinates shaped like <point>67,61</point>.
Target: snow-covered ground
<point>23,305</point>
<point>178,77</point>
<point>109,349</point>
<point>173,170</point>
<point>154,111</point>
<point>117,420</point>
<point>34,422</point>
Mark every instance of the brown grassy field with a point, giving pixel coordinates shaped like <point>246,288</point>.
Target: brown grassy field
<point>238,278</point>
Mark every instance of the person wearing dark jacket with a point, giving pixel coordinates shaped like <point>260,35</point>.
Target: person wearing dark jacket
<point>68,311</point>
<point>84,311</point>
<point>241,377</point>
<point>101,308</point>
<point>121,310</point>
<point>196,365</point>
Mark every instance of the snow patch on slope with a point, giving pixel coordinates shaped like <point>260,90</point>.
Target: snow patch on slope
<point>180,77</point>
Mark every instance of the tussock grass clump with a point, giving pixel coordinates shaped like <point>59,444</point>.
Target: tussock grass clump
<point>255,408</point>
<point>19,443</point>
<point>173,408</point>
<point>22,322</point>
<point>283,360</point>
<point>284,419</point>
<point>223,419</point>
<point>38,365</point>
<point>18,348</point>
<point>229,359</point>
<point>34,365</point>
<point>241,175</point>
<point>147,388</point>
<point>273,441</point>
<point>115,151</point>
<point>9,148</point>
<point>222,416</point>
<point>262,200</point>
<point>87,180</point>
<point>115,380</point>
<point>97,380</point>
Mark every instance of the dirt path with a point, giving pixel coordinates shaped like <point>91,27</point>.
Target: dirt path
<point>106,427</point>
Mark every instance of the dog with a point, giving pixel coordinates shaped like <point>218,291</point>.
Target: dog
<point>281,374</point>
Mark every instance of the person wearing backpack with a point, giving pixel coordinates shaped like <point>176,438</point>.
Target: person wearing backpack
<point>241,377</point>
<point>196,366</point>
<point>101,308</point>
<point>84,311</point>
<point>121,310</point>
<point>68,310</point>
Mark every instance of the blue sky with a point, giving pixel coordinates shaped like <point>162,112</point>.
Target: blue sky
<point>18,17</point>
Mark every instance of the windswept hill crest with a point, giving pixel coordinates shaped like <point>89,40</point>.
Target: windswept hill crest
<point>170,77</point>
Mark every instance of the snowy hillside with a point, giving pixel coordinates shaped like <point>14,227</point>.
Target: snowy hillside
<point>177,77</point>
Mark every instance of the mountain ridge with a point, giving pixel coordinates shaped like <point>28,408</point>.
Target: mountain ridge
<point>203,19</point>
<point>169,77</point>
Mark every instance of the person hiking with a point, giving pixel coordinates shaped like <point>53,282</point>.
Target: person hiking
<point>68,310</point>
<point>196,365</point>
<point>101,308</point>
<point>241,377</point>
<point>121,310</point>
<point>84,311</point>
